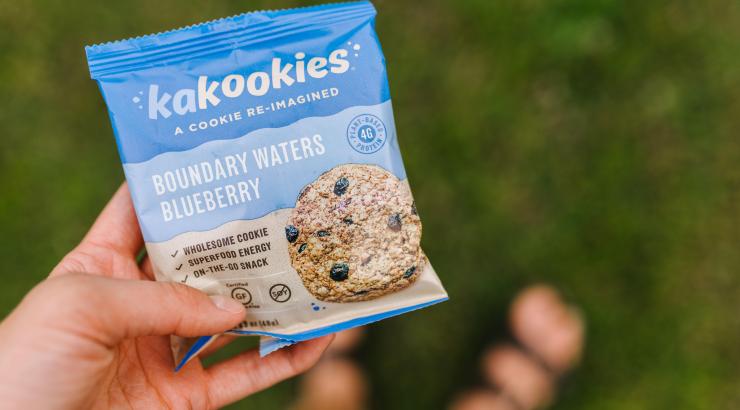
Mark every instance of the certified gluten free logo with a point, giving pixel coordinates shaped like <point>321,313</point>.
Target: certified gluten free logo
<point>242,295</point>
<point>366,133</point>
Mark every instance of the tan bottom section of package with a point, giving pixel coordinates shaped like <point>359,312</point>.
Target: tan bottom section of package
<point>249,261</point>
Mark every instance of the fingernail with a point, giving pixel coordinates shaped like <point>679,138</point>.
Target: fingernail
<point>227,304</point>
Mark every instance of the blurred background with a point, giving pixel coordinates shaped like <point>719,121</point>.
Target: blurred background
<point>588,144</point>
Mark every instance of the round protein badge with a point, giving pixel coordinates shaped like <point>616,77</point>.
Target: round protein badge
<point>366,133</point>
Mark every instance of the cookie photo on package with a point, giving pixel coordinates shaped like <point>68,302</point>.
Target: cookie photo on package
<point>262,158</point>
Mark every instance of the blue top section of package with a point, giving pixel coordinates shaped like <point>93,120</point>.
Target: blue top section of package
<point>221,80</point>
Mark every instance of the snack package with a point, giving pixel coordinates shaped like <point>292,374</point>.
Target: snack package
<point>263,162</point>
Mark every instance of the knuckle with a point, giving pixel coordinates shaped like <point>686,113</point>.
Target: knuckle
<point>182,294</point>
<point>71,263</point>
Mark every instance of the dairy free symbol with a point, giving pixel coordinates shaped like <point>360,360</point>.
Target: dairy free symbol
<point>280,293</point>
<point>242,295</point>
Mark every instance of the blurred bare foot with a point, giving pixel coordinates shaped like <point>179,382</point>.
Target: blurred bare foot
<point>518,376</point>
<point>346,340</point>
<point>543,323</point>
<point>553,334</point>
<point>333,384</point>
<point>482,399</point>
<point>336,382</point>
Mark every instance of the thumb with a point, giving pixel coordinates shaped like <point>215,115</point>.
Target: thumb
<point>115,309</point>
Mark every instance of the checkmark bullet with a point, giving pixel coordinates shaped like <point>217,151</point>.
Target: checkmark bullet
<point>178,268</point>
<point>175,254</point>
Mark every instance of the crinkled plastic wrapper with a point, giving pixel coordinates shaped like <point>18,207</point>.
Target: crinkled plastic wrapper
<point>263,162</point>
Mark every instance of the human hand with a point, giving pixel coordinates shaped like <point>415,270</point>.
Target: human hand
<point>95,334</point>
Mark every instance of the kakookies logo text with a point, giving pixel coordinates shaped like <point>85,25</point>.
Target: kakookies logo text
<point>209,93</point>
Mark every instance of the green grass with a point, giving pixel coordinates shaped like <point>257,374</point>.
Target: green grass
<point>589,144</point>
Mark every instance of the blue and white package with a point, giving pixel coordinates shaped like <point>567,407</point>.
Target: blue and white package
<point>262,158</point>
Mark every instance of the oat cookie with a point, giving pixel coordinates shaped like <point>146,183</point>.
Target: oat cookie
<point>354,234</point>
